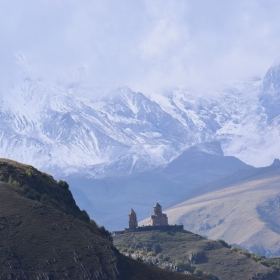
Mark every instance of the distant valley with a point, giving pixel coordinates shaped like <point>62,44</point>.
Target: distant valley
<point>109,199</point>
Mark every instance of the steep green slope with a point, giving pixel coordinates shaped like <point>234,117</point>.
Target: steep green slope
<point>193,251</point>
<point>39,241</point>
<point>41,187</point>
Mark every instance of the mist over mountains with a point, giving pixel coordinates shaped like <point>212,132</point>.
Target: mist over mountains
<point>125,104</point>
<point>67,129</point>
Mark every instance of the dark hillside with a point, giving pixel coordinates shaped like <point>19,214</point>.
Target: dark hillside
<point>38,241</point>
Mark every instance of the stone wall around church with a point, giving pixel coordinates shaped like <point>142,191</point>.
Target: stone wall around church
<point>150,228</point>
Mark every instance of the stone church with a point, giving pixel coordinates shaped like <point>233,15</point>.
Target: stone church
<point>158,219</point>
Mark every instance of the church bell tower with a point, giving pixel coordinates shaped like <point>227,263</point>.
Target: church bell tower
<point>132,219</point>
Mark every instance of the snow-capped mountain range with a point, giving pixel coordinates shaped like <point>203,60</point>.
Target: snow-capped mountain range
<point>65,129</point>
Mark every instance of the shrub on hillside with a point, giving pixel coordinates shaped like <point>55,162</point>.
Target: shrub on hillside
<point>264,262</point>
<point>151,253</point>
<point>93,224</point>
<point>13,182</point>
<point>185,266</point>
<point>29,172</point>
<point>84,216</point>
<point>226,245</point>
<point>198,272</point>
<point>160,256</point>
<point>107,234</point>
<point>63,184</point>
<point>204,275</point>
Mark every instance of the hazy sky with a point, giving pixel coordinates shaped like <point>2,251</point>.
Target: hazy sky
<point>142,44</point>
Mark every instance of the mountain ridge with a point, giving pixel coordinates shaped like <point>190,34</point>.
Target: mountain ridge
<point>65,130</point>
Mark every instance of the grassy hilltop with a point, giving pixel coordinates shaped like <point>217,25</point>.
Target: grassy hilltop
<point>192,252</point>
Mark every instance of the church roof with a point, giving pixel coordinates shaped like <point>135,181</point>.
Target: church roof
<point>157,205</point>
<point>132,211</point>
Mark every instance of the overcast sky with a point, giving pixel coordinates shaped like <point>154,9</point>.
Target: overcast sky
<point>143,44</point>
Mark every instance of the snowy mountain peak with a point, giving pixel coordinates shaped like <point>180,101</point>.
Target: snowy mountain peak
<point>271,81</point>
<point>270,96</point>
<point>276,63</point>
<point>213,147</point>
